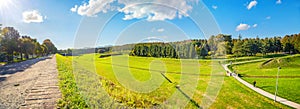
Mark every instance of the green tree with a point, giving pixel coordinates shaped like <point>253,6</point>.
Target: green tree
<point>237,48</point>
<point>44,49</point>
<point>212,44</point>
<point>277,44</point>
<point>296,42</point>
<point>192,52</point>
<point>37,48</point>
<point>265,46</point>
<point>202,51</point>
<point>50,46</point>
<point>9,42</point>
<point>27,46</point>
<point>287,44</point>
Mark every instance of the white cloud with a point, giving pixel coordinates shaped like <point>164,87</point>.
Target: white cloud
<point>242,27</point>
<point>254,26</point>
<point>74,9</point>
<point>160,30</point>
<point>93,7</point>
<point>214,7</point>
<point>278,2</point>
<point>157,10</point>
<point>154,39</point>
<point>268,17</point>
<point>32,16</point>
<point>252,4</point>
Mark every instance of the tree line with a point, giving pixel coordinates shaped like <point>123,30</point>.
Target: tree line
<point>13,46</point>
<point>219,45</point>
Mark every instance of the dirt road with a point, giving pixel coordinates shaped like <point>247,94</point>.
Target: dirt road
<point>29,84</point>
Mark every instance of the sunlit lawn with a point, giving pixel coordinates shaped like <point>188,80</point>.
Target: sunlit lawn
<point>134,79</point>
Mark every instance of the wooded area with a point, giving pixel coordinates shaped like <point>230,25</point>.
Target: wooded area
<point>218,46</point>
<point>14,47</point>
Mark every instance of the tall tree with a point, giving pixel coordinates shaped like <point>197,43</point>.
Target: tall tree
<point>202,51</point>
<point>9,42</point>
<point>296,42</point>
<point>212,44</point>
<point>287,44</point>
<point>237,48</point>
<point>50,46</point>
<point>192,52</point>
<point>277,44</point>
<point>37,48</point>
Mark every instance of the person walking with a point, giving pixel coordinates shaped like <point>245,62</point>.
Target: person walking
<point>254,83</point>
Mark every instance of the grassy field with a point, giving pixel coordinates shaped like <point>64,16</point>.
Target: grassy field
<point>264,73</point>
<point>157,82</point>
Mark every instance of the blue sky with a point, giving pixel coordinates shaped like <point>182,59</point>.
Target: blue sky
<point>90,23</point>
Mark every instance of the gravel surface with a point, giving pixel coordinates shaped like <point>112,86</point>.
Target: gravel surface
<point>29,84</point>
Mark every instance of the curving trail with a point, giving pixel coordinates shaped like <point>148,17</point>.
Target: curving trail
<point>29,84</point>
<point>260,91</point>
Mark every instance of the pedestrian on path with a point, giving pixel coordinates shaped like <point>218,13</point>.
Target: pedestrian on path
<point>254,83</point>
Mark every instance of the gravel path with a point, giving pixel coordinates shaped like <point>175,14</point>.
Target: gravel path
<point>29,84</point>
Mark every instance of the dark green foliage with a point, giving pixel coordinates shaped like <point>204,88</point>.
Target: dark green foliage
<point>51,47</point>
<point>9,42</point>
<point>219,45</point>
<point>184,49</point>
<point>252,46</point>
<point>216,46</point>
<point>164,50</point>
<point>13,47</point>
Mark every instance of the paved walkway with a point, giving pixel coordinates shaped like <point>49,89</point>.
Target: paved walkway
<point>29,84</point>
<point>260,91</point>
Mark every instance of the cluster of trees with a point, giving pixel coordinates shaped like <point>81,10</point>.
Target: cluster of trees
<point>154,50</point>
<point>14,46</point>
<point>219,45</point>
<point>252,46</point>
<point>182,49</point>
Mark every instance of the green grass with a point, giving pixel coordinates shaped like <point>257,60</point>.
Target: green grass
<point>240,59</point>
<point>71,97</point>
<point>235,95</point>
<point>264,73</point>
<point>120,88</point>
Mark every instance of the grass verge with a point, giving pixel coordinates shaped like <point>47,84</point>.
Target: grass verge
<point>71,98</point>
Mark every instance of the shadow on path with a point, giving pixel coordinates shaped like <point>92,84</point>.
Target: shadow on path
<point>10,69</point>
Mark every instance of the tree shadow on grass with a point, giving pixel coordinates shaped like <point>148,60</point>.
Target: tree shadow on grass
<point>188,97</point>
<point>264,87</point>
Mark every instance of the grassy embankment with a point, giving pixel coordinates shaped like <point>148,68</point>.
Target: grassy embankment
<point>265,73</point>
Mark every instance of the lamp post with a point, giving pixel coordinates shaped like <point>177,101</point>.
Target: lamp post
<point>277,83</point>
